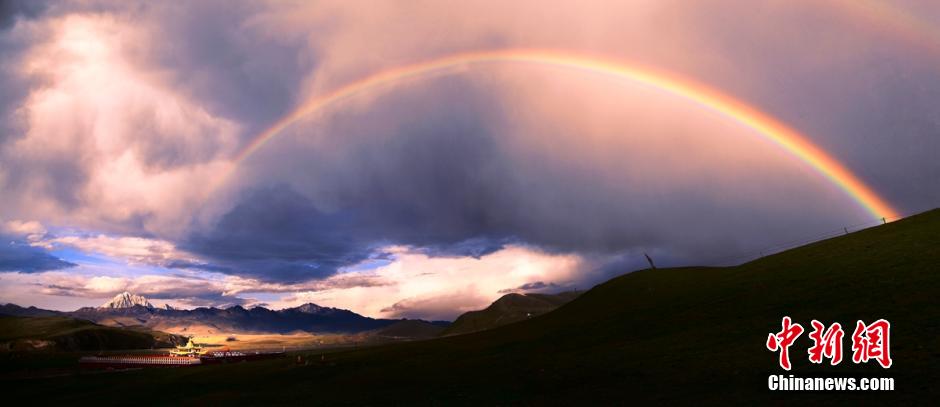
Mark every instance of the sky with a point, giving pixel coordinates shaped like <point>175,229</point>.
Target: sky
<point>256,153</point>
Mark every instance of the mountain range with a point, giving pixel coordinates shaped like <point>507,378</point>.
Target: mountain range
<point>135,311</point>
<point>130,310</point>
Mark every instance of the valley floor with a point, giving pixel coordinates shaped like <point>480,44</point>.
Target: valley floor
<point>270,342</point>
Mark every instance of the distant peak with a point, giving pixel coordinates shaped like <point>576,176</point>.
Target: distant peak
<point>309,308</point>
<point>127,300</point>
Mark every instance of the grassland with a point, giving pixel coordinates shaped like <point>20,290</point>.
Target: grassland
<point>278,342</point>
<point>668,336</point>
<point>70,334</point>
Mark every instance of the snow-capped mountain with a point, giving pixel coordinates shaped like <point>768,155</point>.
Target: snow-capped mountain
<point>309,308</point>
<point>127,309</point>
<point>126,300</point>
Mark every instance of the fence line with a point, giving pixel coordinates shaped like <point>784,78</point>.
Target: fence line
<point>780,247</point>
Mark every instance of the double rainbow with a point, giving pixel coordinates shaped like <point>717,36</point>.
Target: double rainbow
<point>767,127</point>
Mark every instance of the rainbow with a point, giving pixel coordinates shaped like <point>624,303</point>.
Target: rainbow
<point>772,130</point>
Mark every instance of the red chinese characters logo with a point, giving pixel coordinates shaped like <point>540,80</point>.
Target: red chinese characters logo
<point>871,342</point>
<point>868,342</point>
<point>783,340</point>
<point>826,343</point>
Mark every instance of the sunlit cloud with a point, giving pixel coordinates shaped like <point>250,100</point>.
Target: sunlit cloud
<point>32,230</point>
<point>107,143</point>
<point>420,286</point>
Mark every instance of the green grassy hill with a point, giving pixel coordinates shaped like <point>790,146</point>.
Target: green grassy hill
<point>667,336</point>
<point>508,309</point>
<point>70,334</point>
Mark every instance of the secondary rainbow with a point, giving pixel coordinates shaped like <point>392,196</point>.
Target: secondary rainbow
<point>762,124</point>
<point>893,19</point>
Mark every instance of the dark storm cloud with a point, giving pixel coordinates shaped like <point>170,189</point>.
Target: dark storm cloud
<point>538,286</point>
<point>16,255</point>
<point>431,188</point>
<point>190,265</point>
<point>62,179</point>
<point>430,169</point>
<point>276,233</point>
<point>11,10</point>
<point>475,247</point>
<point>12,86</point>
<point>216,55</point>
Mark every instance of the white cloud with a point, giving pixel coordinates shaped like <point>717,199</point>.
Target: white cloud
<point>32,230</point>
<point>106,285</point>
<point>444,287</point>
<point>136,250</point>
<point>108,143</point>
